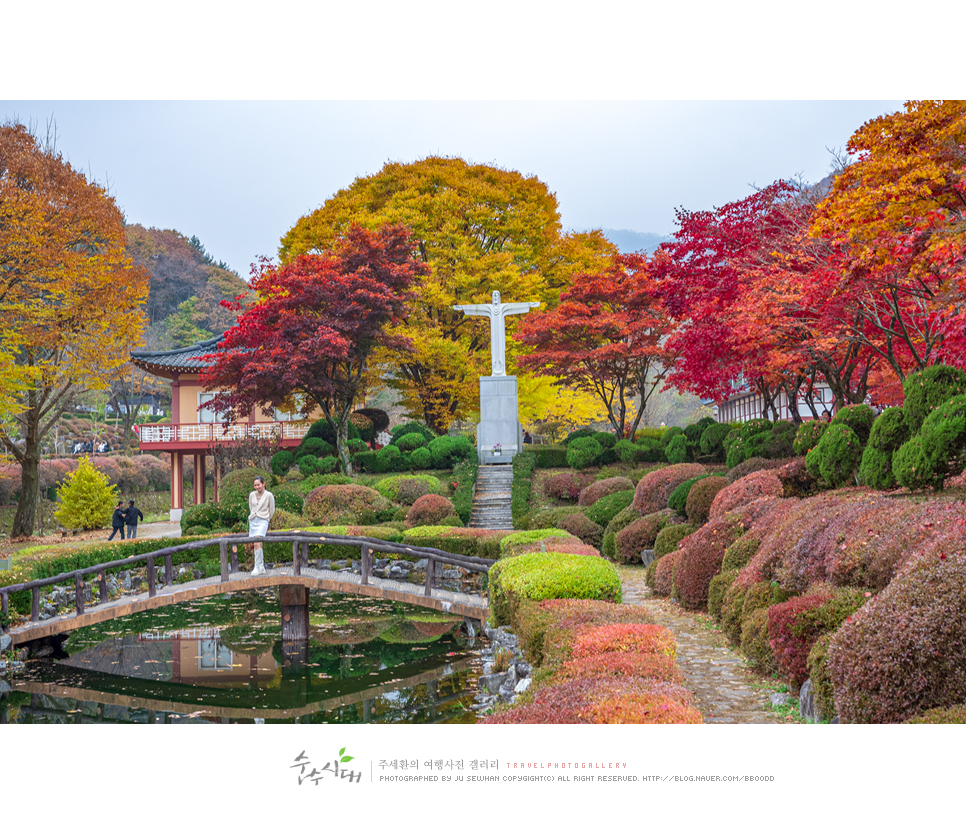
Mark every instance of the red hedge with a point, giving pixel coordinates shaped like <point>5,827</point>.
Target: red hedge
<point>654,489</point>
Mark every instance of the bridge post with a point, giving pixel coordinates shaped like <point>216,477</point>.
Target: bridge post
<point>152,588</point>
<point>296,559</point>
<point>223,553</point>
<point>294,601</point>
<point>4,610</point>
<point>168,570</point>
<point>79,594</point>
<point>35,604</point>
<point>234,559</point>
<point>305,554</point>
<point>430,576</point>
<point>102,576</point>
<point>366,563</point>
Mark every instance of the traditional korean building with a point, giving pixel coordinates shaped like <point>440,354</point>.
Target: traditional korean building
<point>194,431</point>
<point>748,404</point>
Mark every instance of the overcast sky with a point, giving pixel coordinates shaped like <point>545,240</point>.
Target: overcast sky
<point>239,174</point>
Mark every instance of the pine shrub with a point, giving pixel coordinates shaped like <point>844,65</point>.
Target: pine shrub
<point>604,509</point>
<point>859,418</point>
<point>928,389</point>
<point>583,452</point>
<point>808,436</point>
<point>87,498</point>
<point>701,496</point>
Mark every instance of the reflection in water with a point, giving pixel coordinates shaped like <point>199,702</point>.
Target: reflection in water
<point>221,659</point>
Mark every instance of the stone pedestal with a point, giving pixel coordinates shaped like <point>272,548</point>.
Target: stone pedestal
<point>499,420</point>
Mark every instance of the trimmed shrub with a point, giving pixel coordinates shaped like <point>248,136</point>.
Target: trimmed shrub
<point>744,491</point>
<point>795,479</point>
<point>548,456</point>
<point>583,452</point>
<point>678,450</point>
<point>392,486</point>
<point>605,439</point>
<point>717,589</point>
<point>753,465</point>
<point>410,428</point>
<point>308,465</point>
<point>838,452</point>
<point>538,576</point>
<point>622,664</point>
<point>678,499</point>
<point>928,389</point>
<point>859,418</point>
<point>754,641</point>
<point>199,515</point>
<point>583,432</point>
<point>701,554</point>
<point>664,569</point>
<point>701,497</point>
<point>639,535</point>
<point>652,448</point>
<point>605,508</point>
<point>327,465</point>
<point>655,488</point>
<point>712,441</point>
<point>905,652</point>
<point>943,438</point>
<point>449,450</point>
<point>523,467</point>
<point>605,487</point>
<point>669,435</point>
<point>282,462</point>
<point>821,680</point>
<point>911,468</point>
<point>889,432</point>
<point>514,543</point>
<point>289,500</point>
<point>668,537</point>
<point>583,528</point>
<point>796,624</point>
<point>780,442</point>
<point>315,446</point>
<point>346,504</point>
<point>617,524</point>
<point>284,520</point>
<point>421,459</point>
<point>739,553</point>
<point>948,714</point>
<point>643,639</point>
<point>410,441</point>
<point>430,509</point>
<point>808,436</point>
<point>549,517</point>
<point>324,430</point>
<point>388,459</point>
<point>566,486</point>
<point>628,452</point>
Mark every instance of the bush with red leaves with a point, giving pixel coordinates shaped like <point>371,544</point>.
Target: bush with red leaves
<point>701,497</point>
<point>566,486</point>
<point>664,572</point>
<point>622,664</point>
<point>654,489</point>
<point>430,510</point>
<point>606,487</point>
<point>904,652</point>
<point>700,557</point>
<point>640,534</point>
<point>577,524</point>
<point>744,491</point>
<point>649,639</point>
<point>754,465</point>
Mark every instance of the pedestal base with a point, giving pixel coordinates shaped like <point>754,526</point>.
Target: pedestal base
<point>499,420</point>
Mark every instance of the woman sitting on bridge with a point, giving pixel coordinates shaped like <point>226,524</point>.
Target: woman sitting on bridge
<point>261,506</point>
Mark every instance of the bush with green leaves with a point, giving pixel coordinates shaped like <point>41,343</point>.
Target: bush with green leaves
<point>524,464</point>
<point>550,575</point>
<point>943,436</point>
<point>583,452</point>
<point>391,486</point>
<point>356,445</point>
<point>668,537</point>
<point>678,450</point>
<point>548,456</point>
<point>859,418</point>
<point>604,509</point>
<point>410,441</point>
<point>837,456</point>
<point>324,430</point>
<point>583,432</point>
<point>282,462</point>
<point>205,516</point>
<point>889,432</point>
<point>308,464</point>
<point>288,499</point>
<point>389,459</point>
<point>410,428</point>
<point>346,504</point>
<point>808,436</point>
<point>314,446</point>
<point>87,498</point>
<point>928,389</point>
<point>712,441</point>
<point>616,525</point>
<point>421,459</point>
<point>697,506</point>
<point>606,439</point>
<point>679,496</point>
<point>628,452</point>
<point>237,485</point>
<point>780,441</point>
<point>449,450</point>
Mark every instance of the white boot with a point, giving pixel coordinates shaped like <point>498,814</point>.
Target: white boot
<point>259,562</point>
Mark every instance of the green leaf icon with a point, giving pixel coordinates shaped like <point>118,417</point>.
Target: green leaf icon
<point>347,759</point>
<point>342,752</point>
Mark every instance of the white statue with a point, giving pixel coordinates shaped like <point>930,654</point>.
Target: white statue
<point>496,311</point>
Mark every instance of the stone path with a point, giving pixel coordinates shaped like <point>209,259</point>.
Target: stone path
<point>724,689</point>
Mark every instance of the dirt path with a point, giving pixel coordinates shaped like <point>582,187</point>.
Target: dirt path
<point>724,689</point>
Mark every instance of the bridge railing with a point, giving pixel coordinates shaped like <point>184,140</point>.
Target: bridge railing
<point>228,552</point>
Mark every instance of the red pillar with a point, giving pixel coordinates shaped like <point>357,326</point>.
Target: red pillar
<point>199,478</point>
<point>177,507</point>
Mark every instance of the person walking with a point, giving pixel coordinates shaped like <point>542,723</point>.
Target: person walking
<point>261,506</point>
<point>131,516</point>
<point>117,521</point>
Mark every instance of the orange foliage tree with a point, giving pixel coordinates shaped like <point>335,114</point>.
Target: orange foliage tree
<point>70,300</point>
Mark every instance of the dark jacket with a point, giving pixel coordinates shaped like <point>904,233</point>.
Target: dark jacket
<point>117,520</point>
<point>131,516</point>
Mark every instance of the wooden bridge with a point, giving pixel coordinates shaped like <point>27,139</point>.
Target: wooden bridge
<point>294,581</point>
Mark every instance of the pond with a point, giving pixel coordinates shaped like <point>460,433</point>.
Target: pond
<point>222,660</point>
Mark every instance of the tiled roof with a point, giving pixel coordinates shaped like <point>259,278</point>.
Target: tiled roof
<point>167,364</point>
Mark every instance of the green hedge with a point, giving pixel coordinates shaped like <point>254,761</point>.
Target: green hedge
<point>548,455</point>
<point>523,467</point>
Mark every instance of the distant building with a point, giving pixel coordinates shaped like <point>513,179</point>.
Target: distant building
<point>193,432</point>
<point>748,404</point>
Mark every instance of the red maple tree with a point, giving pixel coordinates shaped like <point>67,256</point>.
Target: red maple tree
<point>605,336</point>
<point>314,325</point>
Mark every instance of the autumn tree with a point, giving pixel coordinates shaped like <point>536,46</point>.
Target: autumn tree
<point>897,219</point>
<point>607,337</point>
<point>480,229</point>
<point>70,299</point>
<point>313,328</point>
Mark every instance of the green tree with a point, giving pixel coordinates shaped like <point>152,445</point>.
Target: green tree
<point>480,229</point>
<point>87,498</point>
